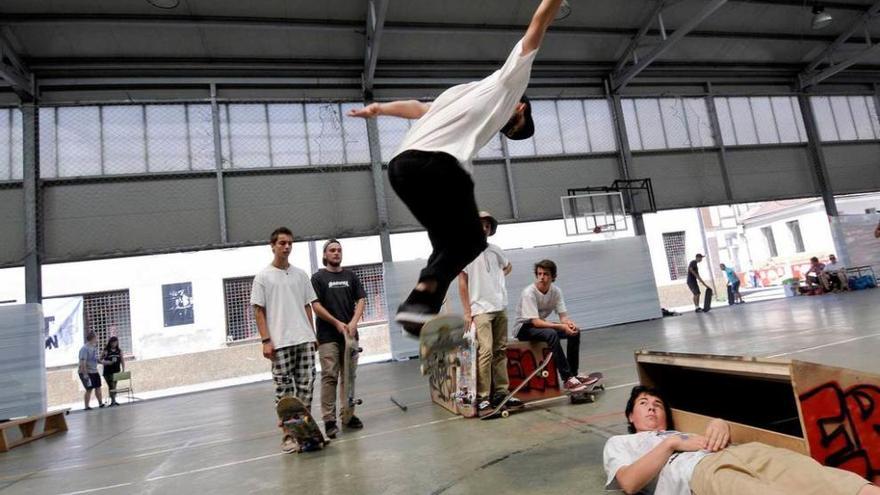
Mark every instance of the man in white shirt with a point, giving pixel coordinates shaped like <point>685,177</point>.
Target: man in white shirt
<point>653,458</point>
<point>431,172</point>
<point>834,275</point>
<point>484,299</point>
<point>282,295</point>
<point>537,302</point>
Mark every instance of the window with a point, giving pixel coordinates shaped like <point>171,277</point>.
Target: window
<point>760,120</point>
<point>771,241</point>
<point>240,322</point>
<point>372,278</point>
<point>10,144</point>
<point>846,118</point>
<point>667,123</point>
<point>568,127</point>
<point>794,229</point>
<point>676,260</point>
<point>108,314</point>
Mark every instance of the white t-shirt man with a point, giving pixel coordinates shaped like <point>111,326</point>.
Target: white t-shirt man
<point>674,478</point>
<point>284,294</point>
<point>833,267</point>
<point>486,281</point>
<point>533,304</point>
<point>465,117</point>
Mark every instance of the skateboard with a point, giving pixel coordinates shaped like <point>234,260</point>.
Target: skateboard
<point>592,391</point>
<point>466,375</point>
<point>349,373</point>
<point>707,303</point>
<point>299,423</point>
<point>439,336</point>
<point>501,410</point>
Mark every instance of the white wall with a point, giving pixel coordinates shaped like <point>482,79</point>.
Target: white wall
<point>815,231</point>
<point>656,224</point>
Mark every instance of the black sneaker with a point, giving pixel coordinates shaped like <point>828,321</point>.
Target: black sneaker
<point>354,423</point>
<point>103,405</point>
<point>331,429</point>
<point>698,310</point>
<point>484,406</point>
<point>512,403</point>
<point>417,310</point>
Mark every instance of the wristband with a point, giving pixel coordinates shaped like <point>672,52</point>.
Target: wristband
<point>267,340</point>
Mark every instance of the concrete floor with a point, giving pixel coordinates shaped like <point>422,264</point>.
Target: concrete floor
<point>224,441</point>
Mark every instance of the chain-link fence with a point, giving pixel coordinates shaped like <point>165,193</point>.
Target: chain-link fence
<point>372,278</point>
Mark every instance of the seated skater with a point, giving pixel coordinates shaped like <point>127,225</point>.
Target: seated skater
<point>537,302</point>
<point>834,275</point>
<point>653,458</point>
<point>433,163</point>
<point>814,276</point>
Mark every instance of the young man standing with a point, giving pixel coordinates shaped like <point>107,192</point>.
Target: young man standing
<point>733,295</point>
<point>88,370</point>
<point>692,278</point>
<point>431,172</point>
<point>281,296</point>
<point>538,301</point>
<point>340,305</point>
<point>484,299</point>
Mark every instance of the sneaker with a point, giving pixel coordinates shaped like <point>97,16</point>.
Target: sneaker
<point>114,403</point>
<point>573,385</point>
<point>698,310</point>
<point>514,403</point>
<point>102,405</point>
<point>587,379</point>
<point>354,423</point>
<point>88,408</point>
<point>331,429</point>
<point>289,445</point>
<point>417,310</point>
<point>484,406</point>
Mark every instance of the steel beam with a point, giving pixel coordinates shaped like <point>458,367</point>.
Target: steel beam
<point>14,72</point>
<point>33,218</point>
<point>218,165</point>
<point>817,156</point>
<point>379,186</point>
<point>719,141</point>
<point>811,76</point>
<point>621,77</point>
<point>376,10</point>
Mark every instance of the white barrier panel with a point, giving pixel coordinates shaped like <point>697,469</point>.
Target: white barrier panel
<point>863,249</point>
<point>22,363</point>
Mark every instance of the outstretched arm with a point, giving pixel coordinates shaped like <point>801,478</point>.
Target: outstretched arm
<point>407,109</point>
<point>544,15</point>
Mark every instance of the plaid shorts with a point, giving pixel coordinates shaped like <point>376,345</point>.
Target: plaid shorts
<point>294,372</point>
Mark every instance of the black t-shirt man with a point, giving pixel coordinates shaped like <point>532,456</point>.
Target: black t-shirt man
<point>338,292</point>
<point>692,269</point>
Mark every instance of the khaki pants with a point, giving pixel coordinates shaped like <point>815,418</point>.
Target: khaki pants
<point>758,469</point>
<point>331,366</point>
<point>491,353</point>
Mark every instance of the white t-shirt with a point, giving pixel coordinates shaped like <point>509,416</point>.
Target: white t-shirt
<point>674,478</point>
<point>533,304</point>
<point>465,117</point>
<point>833,267</point>
<point>486,281</point>
<point>284,294</point>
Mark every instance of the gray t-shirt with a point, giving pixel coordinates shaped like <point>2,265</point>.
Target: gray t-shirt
<point>535,304</point>
<point>674,478</point>
<point>89,354</point>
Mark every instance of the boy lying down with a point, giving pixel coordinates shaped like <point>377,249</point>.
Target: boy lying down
<point>654,459</point>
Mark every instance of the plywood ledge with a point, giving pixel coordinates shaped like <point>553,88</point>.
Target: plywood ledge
<point>775,369</point>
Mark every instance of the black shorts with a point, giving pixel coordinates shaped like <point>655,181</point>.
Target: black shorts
<point>90,381</point>
<point>695,289</point>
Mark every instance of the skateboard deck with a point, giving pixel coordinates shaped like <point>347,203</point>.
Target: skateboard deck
<point>501,410</point>
<point>707,303</point>
<point>592,391</point>
<point>349,374</point>
<point>466,375</point>
<point>299,423</point>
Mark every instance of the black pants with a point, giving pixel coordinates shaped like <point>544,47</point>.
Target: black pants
<point>566,363</point>
<point>440,194</point>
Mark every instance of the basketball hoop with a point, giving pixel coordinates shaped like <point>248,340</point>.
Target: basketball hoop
<point>564,10</point>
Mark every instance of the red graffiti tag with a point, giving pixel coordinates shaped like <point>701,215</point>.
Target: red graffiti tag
<point>521,363</point>
<point>843,427</point>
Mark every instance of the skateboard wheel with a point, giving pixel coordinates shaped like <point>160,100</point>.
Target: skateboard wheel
<point>358,402</point>
<point>545,374</point>
<point>505,414</point>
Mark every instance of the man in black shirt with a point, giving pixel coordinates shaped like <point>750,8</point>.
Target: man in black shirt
<point>692,278</point>
<point>340,305</point>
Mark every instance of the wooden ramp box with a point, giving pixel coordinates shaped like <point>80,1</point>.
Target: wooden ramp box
<point>522,359</point>
<point>831,414</point>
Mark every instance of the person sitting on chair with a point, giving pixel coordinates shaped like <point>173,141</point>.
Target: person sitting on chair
<point>537,302</point>
<point>653,458</point>
<point>814,275</point>
<point>834,275</point>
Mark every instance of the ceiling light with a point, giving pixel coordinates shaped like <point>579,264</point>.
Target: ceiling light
<point>820,17</point>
